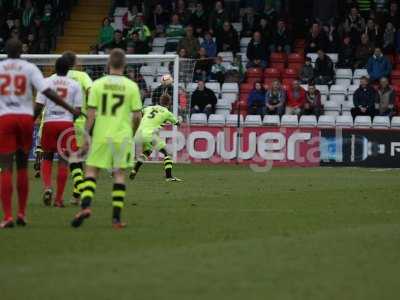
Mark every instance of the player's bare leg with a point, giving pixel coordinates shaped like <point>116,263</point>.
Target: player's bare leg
<point>47,169</point>
<point>168,167</point>
<point>21,159</point>
<point>6,189</point>
<point>87,195</point>
<point>62,177</point>
<point>141,159</point>
<point>118,197</point>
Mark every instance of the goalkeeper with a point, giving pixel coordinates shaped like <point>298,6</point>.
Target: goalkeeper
<point>154,118</point>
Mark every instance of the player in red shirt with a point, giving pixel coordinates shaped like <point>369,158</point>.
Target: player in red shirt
<point>58,134</point>
<point>17,77</point>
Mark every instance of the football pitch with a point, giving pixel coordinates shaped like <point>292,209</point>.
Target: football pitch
<point>226,232</point>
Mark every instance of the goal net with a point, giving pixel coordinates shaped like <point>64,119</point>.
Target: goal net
<point>146,70</point>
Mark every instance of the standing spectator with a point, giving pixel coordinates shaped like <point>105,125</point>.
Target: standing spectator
<point>316,39</point>
<point>129,16</point>
<point>158,20</point>
<point>270,13</point>
<point>394,15</point>
<point>165,88</point>
<point>257,52</point>
<point>203,66</point>
<point>190,43</point>
<point>227,39</point>
<point>354,25</point>
<point>307,71</point>
<point>265,29</point>
<point>117,41</point>
<point>313,104</point>
<point>281,41</point>
<point>275,99</point>
<point>199,20</point>
<point>138,46</point>
<point>323,71</point>
<point>249,21</point>
<point>346,54</point>
<point>141,28</point>
<point>296,97</point>
<point>378,66</point>
<point>385,101</point>
<point>363,52</point>
<point>203,100</point>
<point>217,18</point>
<point>332,38</point>
<point>218,70</point>
<point>174,33</point>
<point>106,33</point>
<point>209,44</point>
<point>256,100</point>
<point>373,31</point>
<point>364,99</point>
<point>183,13</point>
<point>389,39</point>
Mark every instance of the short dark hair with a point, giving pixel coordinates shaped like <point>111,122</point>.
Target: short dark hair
<point>117,58</point>
<point>165,100</point>
<point>13,48</point>
<point>62,66</point>
<point>70,57</point>
<point>364,78</point>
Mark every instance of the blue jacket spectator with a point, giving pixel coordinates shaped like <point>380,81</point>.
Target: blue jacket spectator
<point>364,99</point>
<point>256,100</point>
<point>209,44</point>
<point>378,66</point>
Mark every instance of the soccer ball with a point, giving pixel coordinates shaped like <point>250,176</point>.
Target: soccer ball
<point>166,79</point>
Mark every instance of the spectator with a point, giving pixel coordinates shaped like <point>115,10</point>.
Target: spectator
<point>316,39</point>
<point>199,19</point>
<point>158,20</point>
<point>378,66</point>
<point>134,74</point>
<point>129,17</point>
<point>165,88</point>
<point>306,71</point>
<point>183,13</point>
<point>296,97</point>
<point>33,44</point>
<point>209,44</point>
<point>190,43</point>
<point>265,29</point>
<point>106,33</point>
<point>217,18</point>
<point>203,66</point>
<point>354,25</point>
<point>323,71</point>
<point>312,104</point>
<point>203,100</point>
<point>117,41</point>
<point>136,45</point>
<point>275,99</point>
<point>389,39</point>
<point>256,100</point>
<point>27,16</point>
<point>363,52</point>
<point>332,38</point>
<point>141,28</point>
<point>257,52</point>
<point>346,54</point>
<point>218,70</point>
<point>174,33</point>
<point>270,13</point>
<point>249,22</point>
<point>364,99</point>
<point>227,39</point>
<point>385,100</point>
<point>281,41</point>
<point>373,31</point>
<point>394,15</point>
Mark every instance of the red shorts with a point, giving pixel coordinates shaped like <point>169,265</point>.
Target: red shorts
<point>59,137</point>
<point>16,133</point>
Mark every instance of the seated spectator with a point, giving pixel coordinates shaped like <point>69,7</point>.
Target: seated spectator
<point>389,39</point>
<point>218,70</point>
<point>281,40</point>
<point>346,54</point>
<point>249,22</point>
<point>106,33</point>
<point>364,99</point>
<point>199,20</point>
<point>363,52</point>
<point>323,71</point>
<point>296,97</point>
<point>256,100</point>
<point>203,100</point>
<point>313,105</point>
<point>217,18</point>
<point>190,43</point>
<point>117,41</point>
<point>174,33</point>
<point>227,39</point>
<point>203,65</point>
<point>307,71</point>
<point>158,20</point>
<point>275,99</point>
<point>257,52</point>
<point>165,88</point>
<point>136,46</point>
<point>209,44</point>
<point>316,39</point>
<point>385,101</point>
<point>139,27</point>
<point>378,66</point>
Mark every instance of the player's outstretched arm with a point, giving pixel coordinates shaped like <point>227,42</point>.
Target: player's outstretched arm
<point>52,95</point>
<point>136,119</point>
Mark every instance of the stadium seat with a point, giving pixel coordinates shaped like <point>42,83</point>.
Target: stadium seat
<point>232,120</point>
<point>226,56</point>
<point>149,80</point>
<point>289,121</point>
<point>323,89</point>
<point>191,87</point>
<point>272,73</point>
<point>308,121</point>
<point>334,57</point>
<point>344,121</point>
<point>231,97</point>
<point>246,88</point>
<point>346,108</point>
<point>326,122</point>
<point>381,122</point>
<point>332,108</point>
<point>362,122</point>
<point>338,93</point>
<point>295,61</point>
<point>162,71</point>
<point>278,60</point>
<point>148,71</point>
<point>237,26</point>
<point>230,88</point>
<point>350,92</point>
<point>358,73</point>
<point>254,73</point>
<point>244,41</point>
<point>271,120</point>
<point>147,102</point>
<point>290,73</point>
<point>395,123</point>
<point>198,119</point>
<point>252,121</point>
<point>395,77</point>
<point>214,86</point>
<point>216,120</point>
<point>344,76</point>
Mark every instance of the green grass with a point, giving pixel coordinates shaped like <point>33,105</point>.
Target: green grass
<point>225,233</point>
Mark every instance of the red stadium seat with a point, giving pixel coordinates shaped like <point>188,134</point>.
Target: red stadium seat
<point>300,43</point>
<point>254,73</point>
<point>395,77</point>
<point>290,73</point>
<point>272,73</point>
<point>288,81</point>
<point>295,61</point>
<point>278,60</point>
<point>269,81</point>
<point>252,80</point>
<point>246,87</point>
<point>397,61</point>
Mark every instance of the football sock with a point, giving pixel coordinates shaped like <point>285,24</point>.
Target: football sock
<point>23,190</point>
<point>168,166</point>
<point>6,190</point>
<point>77,177</point>
<point>62,178</point>
<point>88,190</point>
<point>47,166</point>
<point>145,155</point>
<point>118,196</point>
